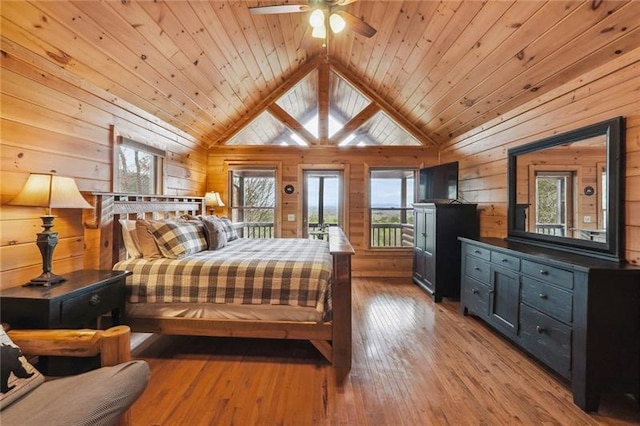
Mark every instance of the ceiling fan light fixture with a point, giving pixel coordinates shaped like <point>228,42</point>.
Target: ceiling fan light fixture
<point>319,32</point>
<point>316,19</point>
<point>337,23</point>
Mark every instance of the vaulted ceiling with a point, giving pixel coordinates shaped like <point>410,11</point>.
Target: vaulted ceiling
<point>210,67</point>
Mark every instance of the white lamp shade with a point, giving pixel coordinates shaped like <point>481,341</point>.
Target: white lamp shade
<point>50,191</point>
<point>337,23</point>
<point>319,32</point>
<point>316,18</point>
<point>213,199</point>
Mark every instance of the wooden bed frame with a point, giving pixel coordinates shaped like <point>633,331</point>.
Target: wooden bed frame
<point>332,339</point>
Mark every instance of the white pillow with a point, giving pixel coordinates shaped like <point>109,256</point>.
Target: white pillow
<point>18,375</point>
<point>130,238</point>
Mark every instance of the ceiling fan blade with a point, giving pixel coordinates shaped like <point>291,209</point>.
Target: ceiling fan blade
<point>285,8</point>
<point>357,24</point>
<point>345,2</point>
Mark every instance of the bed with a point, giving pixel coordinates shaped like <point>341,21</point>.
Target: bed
<point>264,288</point>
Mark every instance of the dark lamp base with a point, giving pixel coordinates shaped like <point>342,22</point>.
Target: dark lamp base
<point>47,279</point>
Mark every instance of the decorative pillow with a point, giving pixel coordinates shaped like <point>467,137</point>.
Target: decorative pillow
<point>18,376</point>
<point>146,243</point>
<point>177,239</point>
<point>130,238</point>
<point>214,231</point>
<point>232,233</point>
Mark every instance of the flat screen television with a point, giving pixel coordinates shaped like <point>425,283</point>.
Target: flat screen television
<point>439,183</point>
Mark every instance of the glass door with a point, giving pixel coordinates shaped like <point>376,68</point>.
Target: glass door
<point>322,201</point>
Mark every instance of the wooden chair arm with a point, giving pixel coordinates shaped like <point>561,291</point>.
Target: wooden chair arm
<point>113,344</point>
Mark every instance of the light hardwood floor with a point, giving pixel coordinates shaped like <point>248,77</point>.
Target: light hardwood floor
<point>414,363</point>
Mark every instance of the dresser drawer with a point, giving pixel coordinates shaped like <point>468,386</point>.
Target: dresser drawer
<point>548,299</point>
<point>505,260</point>
<point>553,275</point>
<point>478,269</point>
<point>477,251</point>
<point>546,338</point>
<point>476,297</point>
<point>89,305</point>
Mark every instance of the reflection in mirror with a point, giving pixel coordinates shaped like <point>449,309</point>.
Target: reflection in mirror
<point>560,189</point>
<point>565,191</point>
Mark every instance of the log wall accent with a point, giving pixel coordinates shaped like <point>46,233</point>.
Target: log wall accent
<point>52,122</point>
<point>609,91</point>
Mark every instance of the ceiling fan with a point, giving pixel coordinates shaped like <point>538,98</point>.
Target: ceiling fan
<point>321,10</point>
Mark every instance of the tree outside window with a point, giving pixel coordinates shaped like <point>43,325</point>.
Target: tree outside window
<point>139,168</point>
<point>253,201</point>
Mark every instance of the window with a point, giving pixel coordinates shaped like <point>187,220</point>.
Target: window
<point>253,201</point>
<point>391,195</point>
<point>554,202</point>
<point>139,168</point>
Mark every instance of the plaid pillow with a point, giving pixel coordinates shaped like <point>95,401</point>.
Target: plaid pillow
<point>179,239</point>
<point>229,229</point>
<point>214,231</point>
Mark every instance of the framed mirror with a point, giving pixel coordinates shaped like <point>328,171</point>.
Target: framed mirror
<point>565,191</point>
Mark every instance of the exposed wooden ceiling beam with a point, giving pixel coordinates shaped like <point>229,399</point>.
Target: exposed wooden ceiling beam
<point>289,83</point>
<point>291,123</point>
<point>323,103</point>
<point>353,124</point>
<point>401,120</point>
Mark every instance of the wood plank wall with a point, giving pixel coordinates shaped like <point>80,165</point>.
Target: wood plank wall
<point>50,121</point>
<point>366,262</point>
<point>609,91</point>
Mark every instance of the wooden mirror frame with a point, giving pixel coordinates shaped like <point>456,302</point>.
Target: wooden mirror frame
<point>613,247</point>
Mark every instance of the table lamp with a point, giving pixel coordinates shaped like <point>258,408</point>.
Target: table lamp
<point>213,200</point>
<point>49,191</point>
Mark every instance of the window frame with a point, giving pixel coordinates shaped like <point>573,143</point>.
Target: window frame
<point>231,167</point>
<point>343,168</point>
<point>369,170</point>
<point>159,164</point>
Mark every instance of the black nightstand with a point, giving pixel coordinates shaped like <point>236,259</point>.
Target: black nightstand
<point>74,303</point>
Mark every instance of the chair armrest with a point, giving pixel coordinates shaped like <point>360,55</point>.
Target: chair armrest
<point>113,344</point>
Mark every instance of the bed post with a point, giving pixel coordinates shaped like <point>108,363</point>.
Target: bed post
<point>341,250</point>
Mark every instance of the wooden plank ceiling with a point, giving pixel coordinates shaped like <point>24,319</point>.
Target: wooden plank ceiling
<point>445,66</point>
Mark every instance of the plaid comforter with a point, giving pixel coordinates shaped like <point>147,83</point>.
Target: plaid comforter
<point>277,271</point>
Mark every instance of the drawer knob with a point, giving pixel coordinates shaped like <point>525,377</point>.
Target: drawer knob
<point>94,299</point>
<point>543,296</point>
<point>504,259</point>
<point>474,290</point>
<point>540,329</point>
<point>477,251</point>
<point>544,272</point>
<point>476,268</point>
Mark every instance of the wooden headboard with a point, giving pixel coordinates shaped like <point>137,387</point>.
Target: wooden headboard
<point>111,207</point>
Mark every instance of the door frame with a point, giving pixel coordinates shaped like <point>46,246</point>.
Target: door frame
<point>344,169</point>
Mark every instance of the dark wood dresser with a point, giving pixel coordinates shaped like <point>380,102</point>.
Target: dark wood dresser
<point>577,315</point>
